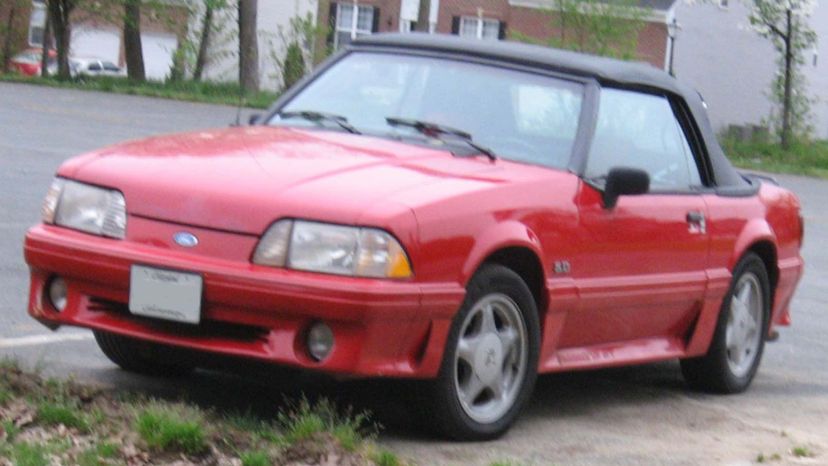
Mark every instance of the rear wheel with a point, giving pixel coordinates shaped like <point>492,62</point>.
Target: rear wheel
<point>490,362</point>
<point>142,357</point>
<point>736,350</point>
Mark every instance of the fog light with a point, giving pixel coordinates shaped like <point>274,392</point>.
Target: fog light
<point>57,293</point>
<point>320,341</point>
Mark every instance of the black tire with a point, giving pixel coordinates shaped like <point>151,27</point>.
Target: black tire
<point>142,357</point>
<point>447,413</point>
<point>712,372</point>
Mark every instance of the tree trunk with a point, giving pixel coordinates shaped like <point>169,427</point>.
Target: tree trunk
<point>44,54</point>
<point>248,46</point>
<point>132,41</point>
<point>60,12</point>
<point>563,13</point>
<point>786,100</point>
<point>7,40</point>
<point>204,43</point>
<point>422,16</point>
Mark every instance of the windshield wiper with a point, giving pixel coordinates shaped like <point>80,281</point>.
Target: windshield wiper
<point>317,117</point>
<point>435,129</point>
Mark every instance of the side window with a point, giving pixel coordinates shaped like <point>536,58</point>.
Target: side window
<point>640,130</point>
<point>95,66</point>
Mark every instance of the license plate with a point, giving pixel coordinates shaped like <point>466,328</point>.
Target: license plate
<point>165,294</point>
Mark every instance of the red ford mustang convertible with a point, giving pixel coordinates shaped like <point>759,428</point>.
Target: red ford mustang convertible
<point>431,208</point>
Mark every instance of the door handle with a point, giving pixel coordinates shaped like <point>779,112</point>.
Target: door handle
<point>697,222</point>
<point>694,216</point>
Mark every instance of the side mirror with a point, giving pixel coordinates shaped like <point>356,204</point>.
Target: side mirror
<point>253,119</point>
<point>623,181</point>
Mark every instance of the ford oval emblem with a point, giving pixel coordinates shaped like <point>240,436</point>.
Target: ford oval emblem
<point>185,239</point>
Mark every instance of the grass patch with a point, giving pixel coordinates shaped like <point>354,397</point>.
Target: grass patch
<point>303,421</point>
<point>386,458</point>
<point>172,430</point>
<point>53,414</point>
<point>802,452</point>
<point>205,91</point>
<point>255,458</point>
<point>99,455</point>
<point>5,394</point>
<point>803,158</point>
<point>27,454</point>
<point>107,428</point>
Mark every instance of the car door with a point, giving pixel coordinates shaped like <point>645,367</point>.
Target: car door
<point>640,266</point>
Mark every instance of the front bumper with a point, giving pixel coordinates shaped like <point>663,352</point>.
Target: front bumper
<point>381,327</point>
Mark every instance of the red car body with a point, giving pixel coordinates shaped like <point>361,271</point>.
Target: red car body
<point>627,285</point>
<point>471,210</point>
<point>28,61</point>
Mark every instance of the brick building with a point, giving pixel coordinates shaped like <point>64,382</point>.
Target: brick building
<point>483,19</point>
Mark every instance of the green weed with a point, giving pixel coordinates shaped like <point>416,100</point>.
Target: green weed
<point>172,430</point>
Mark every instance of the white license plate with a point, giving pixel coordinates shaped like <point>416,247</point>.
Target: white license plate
<point>165,294</point>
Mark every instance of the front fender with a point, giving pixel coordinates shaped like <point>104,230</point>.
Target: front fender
<point>502,235</point>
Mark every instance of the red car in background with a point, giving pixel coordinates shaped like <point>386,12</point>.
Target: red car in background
<point>28,62</point>
<point>433,208</point>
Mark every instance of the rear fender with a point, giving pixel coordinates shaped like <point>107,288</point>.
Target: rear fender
<point>754,231</point>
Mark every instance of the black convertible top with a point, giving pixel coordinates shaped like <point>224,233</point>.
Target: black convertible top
<point>606,71</point>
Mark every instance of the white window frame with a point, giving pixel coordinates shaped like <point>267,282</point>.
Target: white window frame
<point>353,30</point>
<point>479,23</point>
<point>37,6</point>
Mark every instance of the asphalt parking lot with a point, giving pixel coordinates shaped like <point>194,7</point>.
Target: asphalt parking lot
<point>629,416</point>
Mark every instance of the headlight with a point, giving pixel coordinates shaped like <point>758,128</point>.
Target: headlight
<point>86,208</point>
<point>336,249</point>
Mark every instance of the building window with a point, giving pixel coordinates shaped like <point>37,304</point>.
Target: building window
<point>37,23</point>
<point>352,21</point>
<point>478,28</point>
<point>723,4</point>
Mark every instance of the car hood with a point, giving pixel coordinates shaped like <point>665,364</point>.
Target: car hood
<point>243,179</point>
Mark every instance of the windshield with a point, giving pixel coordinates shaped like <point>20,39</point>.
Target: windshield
<point>520,116</point>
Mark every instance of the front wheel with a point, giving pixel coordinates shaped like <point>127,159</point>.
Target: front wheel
<point>491,357</point>
<point>736,350</point>
<point>142,357</point>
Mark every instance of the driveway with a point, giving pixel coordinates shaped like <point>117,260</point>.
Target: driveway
<point>629,416</point>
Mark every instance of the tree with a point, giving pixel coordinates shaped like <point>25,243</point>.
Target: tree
<point>294,66</point>
<point>297,41</point>
<point>47,47</point>
<point>785,24</point>
<point>594,26</point>
<point>60,12</point>
<point>248,46</point>
<point>10,31</point>
<point>423,13</point>
<point>133,49</point>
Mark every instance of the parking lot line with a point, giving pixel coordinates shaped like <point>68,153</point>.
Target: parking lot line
<point>34,340</point>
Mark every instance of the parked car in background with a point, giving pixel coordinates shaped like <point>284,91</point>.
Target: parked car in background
<point>435,208</point>
<point>91,66</point>
<point>28,61</point>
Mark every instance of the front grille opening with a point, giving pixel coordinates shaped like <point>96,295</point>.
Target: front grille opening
<point>205,329</point>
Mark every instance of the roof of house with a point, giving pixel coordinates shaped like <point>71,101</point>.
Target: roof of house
<point>663,5</point>
<point>660,5</point>
<point>606,71</point>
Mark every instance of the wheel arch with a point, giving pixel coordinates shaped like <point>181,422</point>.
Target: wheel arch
<point>766,251</point>
<point>516,247</point>
<point>528,266</point>
<point>759,238</point>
